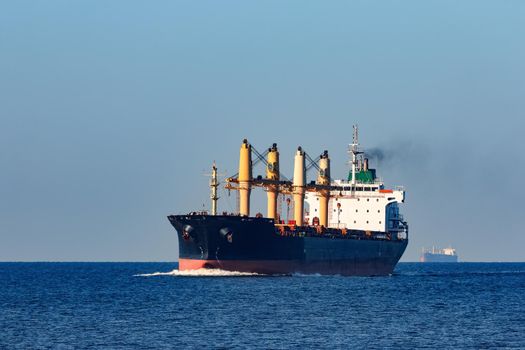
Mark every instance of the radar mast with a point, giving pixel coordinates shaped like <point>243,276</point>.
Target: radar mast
<point>354,150</point>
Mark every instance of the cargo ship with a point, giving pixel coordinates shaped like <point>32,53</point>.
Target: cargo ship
<point>446,255</point>
<point>347,227</point>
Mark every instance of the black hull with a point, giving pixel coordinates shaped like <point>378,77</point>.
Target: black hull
<point>254,245</point>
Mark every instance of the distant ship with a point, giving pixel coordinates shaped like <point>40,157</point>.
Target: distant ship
<point>346,227</point>
<point>439,255</point>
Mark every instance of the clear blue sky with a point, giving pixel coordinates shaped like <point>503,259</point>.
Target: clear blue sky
<point>110,112</point>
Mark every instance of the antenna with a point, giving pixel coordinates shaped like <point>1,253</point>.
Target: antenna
<point>355,138</point>
<point>354,150</point>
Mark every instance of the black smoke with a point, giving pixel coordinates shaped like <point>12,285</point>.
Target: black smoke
<point>376,154</point>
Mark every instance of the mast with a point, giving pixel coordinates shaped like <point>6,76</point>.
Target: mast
<point>272,173</point>
<point>354,150</point>
<point>245,178</point>
<point>299,182</point>
<point>214,183</point>
<point>324,195</point>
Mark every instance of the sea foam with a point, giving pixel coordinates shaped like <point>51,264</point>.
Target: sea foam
<point>201,273</point>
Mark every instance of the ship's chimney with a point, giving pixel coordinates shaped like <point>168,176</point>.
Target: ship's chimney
<point>365,164</point>
<point>299,179</point>
<point>324,195</point>
<point>245,178</point>
<point>272,173</point>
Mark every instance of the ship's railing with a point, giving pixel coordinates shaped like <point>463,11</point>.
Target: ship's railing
<point>376,181</point>
<point>339,225</point>
<point>322,232</point>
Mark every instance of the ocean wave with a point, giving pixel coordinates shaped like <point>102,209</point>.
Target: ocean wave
<point>201,273</point>
<point>299,274</point>
<point>457,273</point>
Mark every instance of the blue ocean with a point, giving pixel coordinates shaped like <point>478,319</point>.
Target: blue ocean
<point>154,306</point>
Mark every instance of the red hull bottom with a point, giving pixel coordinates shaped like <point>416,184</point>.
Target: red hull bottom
<point>273,267</point>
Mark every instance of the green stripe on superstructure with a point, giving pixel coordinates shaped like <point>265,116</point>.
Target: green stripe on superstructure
<point>366,177</point>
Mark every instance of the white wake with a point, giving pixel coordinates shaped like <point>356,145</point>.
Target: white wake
<point>201,273</point>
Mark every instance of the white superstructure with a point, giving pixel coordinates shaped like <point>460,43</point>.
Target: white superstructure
<point>362,202</point>
<point>366,207</point>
